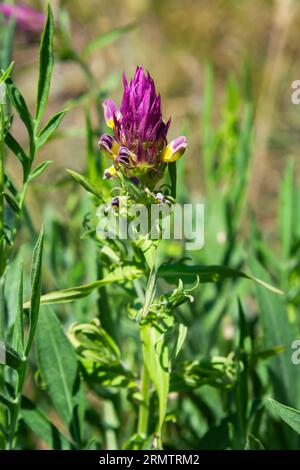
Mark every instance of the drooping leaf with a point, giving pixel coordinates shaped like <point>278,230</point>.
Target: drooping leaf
<point>171,272</point>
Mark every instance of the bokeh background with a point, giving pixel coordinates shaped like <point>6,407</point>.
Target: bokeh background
<point>174,40</point>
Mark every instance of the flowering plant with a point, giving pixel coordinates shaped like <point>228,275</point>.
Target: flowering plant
<point>123,367</point>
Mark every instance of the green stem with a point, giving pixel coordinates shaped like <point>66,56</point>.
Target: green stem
<point>15,411</point>
<point>2,253</point>
<point>2,182</point>
<point>144,405</point>
<point>145,379</point>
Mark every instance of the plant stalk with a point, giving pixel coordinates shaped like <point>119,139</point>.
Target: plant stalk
<point>2,183</point>
<point>144,405</point>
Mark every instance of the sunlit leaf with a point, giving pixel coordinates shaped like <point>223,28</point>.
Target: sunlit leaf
<point>45,66</point>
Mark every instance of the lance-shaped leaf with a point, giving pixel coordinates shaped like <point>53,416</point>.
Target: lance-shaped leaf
<point>20,106</point>
<point>45,66</point>
<point>18,331</point>
<point>85,183</point>
<point>42,427</point>
<point>171,272</point>
<point>287,414</point>
<point>120,274</point>
<point>51,126</point>
<point>60,372</point>
<point>36,285</point>
<point>6,73</point>
<point>107,38</point>
<point>39,169</point>
<point>12,202</point>
<point>16,148</point>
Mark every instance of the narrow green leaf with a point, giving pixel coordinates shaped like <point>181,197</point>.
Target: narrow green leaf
<point>107,38</point>
<point>18,331</point>
<point>60,371</point>
<point>36,286</point>
<point>150,291</point>
<point>50,128</point>
<point>20,106</point>
<point>12,202</point>
<point>42,427</point>
<point>85,183</point>
<point>287,414</point>
<point>37,171</point>
<point>6,73</point>
<point>188,273</point>
<point>8,355</point>
<point>46,62</point>
<point>15,147</point>
<point>180,338</point>
<point>122,274</point>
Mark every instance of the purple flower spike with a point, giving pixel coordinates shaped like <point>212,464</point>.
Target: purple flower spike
<point>26,18</point>
<point>140,131</point>
<point>142,126</point>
